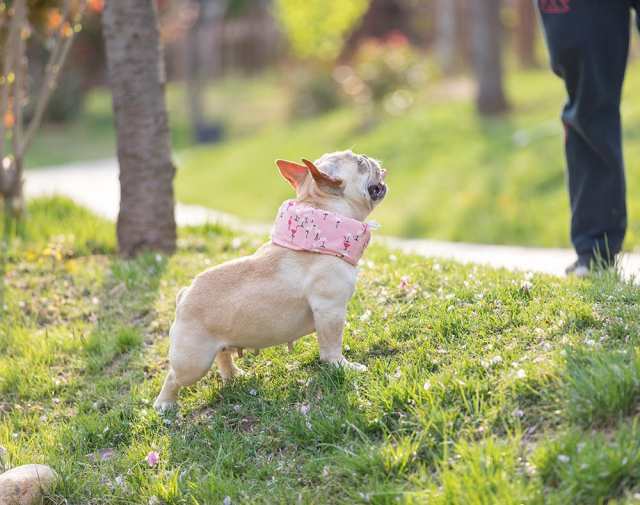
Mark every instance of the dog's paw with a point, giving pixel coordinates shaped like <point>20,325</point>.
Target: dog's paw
<point>351,365</point>
<point>358,367</point>
<point>165,406</point>
<point>235,373</point>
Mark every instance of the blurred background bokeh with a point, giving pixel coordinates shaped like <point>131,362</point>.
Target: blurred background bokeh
<point>454,96</point>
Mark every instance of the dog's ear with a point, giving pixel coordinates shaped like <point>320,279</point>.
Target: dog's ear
<point>292,172</point>
<point>320,177</point>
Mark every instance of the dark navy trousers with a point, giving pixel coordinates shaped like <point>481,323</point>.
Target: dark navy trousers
<point>588,41</point>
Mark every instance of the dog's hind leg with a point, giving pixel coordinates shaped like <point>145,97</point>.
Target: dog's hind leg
<point>190,357</point>
<point>226,366</point>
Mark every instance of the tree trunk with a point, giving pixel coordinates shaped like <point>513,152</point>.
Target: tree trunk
<point>447,36</point>
<point>463,32</point>
<point>526,34</point>
<point>487,38</point>
<point>136,74</point>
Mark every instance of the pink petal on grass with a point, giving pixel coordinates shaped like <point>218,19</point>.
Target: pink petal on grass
<point>405,282</point>
<point>153,458</point>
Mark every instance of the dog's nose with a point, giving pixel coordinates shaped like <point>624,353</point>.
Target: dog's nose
<point>377,191</point>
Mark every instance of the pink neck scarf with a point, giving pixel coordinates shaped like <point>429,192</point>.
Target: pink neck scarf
<point>304,228</point>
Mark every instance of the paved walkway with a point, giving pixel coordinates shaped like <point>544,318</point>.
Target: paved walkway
<point>95,185</point>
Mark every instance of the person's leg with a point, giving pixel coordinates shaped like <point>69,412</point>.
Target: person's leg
<point>588,41</point>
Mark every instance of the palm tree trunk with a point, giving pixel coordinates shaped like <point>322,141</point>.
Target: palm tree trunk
<point>135,67</point>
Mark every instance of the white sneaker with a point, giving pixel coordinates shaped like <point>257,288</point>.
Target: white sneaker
<point>579,269</point>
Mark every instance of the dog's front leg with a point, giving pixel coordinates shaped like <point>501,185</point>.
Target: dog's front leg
<point>329,322</point>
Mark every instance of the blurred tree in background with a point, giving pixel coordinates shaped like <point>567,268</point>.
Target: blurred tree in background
<point>447,38</point>
<point>382,76</point>
<point>210,39</point>
<point>487,55</point>
<point>200,63</point>
<point>525,33</point>
<point>411,18</point>
<point>50,25</point>
<point>463,34</point>
<point>84,67</point>
<point>372,58</point>
<point>23,101</point>
<point>207,39</point>
<point>318,29</point>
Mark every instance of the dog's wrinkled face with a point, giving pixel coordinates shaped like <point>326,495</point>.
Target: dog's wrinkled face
<point>353,177</point>
<point>362,177</point>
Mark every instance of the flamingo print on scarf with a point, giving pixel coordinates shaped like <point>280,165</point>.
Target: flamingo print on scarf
<point>320,231</point>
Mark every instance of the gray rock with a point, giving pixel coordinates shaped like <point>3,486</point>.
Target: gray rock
<point>26,485</point>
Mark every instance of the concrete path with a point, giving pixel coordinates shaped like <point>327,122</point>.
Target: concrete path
<point>95,185</point>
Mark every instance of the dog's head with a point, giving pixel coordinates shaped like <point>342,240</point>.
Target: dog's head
<point>353,178</point>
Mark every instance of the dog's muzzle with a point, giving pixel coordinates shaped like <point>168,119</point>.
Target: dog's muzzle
<point>377,191</point>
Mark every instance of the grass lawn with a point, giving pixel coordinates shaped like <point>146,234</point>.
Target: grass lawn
<point>242,105</point>
<point>483,387</point>
<point>452,176</point>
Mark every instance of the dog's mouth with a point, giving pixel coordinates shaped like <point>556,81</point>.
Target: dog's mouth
<point>377,191</point>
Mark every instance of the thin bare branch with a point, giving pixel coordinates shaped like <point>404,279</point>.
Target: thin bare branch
<point>18,86</point>
<point>52,71</point>
<point>65,16</point>
<point>3,16</point>
<point>7,68</point>
<point>50,80</point>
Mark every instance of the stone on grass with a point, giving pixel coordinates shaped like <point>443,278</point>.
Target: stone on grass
<point>26,485</point>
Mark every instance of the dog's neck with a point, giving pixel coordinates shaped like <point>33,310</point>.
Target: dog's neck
<point>311,195</point>
<point>336,205</point>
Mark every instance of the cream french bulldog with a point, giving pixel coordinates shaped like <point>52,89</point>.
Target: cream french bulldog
<point>299,282</point>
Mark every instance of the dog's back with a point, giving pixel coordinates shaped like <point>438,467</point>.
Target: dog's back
<point>262,300</point>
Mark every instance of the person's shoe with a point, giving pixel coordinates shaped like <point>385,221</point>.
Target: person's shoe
<point>580,268</point>
<point>586,265</point>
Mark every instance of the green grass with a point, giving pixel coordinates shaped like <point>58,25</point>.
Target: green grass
<point>602,386</point>
<point>242,105</point>
<point>452,175</point>
<point>592,469</point>
<point>481,389</point>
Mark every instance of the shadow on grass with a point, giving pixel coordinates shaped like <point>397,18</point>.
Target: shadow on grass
<point>10,226</point>
<point>111,369</point>
<point>126,310</point>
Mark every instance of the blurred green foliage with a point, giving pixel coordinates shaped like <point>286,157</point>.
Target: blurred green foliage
<point>237,8</point>
<point>384,71</point>
<point>314,91</point>
<point>45,16</point>
<point>451,175</point>
<point>317,29</point>
<point>245,106</point>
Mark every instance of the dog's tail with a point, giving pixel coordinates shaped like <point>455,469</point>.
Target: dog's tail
<point>180,295</point>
